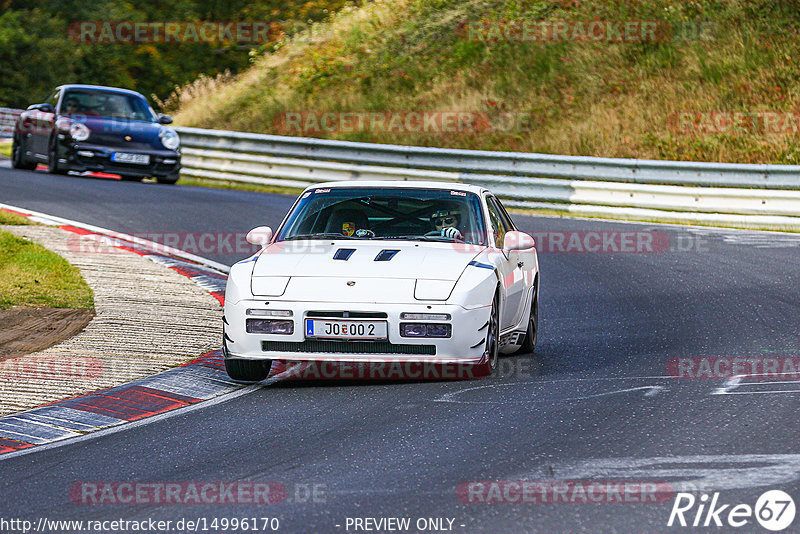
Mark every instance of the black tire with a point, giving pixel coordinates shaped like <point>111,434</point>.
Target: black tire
<point>492,351</point>
<point>532,333</point>
<point>18,156</point>
<point>52,159</point>
<point>172,179</point>
<point>247,370</point>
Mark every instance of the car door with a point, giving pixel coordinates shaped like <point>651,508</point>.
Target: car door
<point>527,262</point>
<point>43,127</point>
<point>512,278</point>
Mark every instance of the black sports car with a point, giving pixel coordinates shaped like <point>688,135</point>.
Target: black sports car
<point>98,129</point>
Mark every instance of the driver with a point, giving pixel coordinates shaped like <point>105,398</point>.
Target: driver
<point>72,106</point>
<point>446,224</point>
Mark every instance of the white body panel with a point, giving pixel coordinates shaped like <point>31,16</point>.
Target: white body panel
<point>303,277</point>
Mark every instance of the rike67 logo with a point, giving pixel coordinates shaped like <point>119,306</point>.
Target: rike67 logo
<point>774,510</point>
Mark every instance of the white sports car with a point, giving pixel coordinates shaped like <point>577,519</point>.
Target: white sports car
<point>384,271</point>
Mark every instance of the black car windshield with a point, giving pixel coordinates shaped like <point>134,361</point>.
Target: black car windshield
<point>107,104</point>
<point>386,214</point>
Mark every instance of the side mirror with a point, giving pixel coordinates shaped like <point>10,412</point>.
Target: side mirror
<point>46,108</point>
<point>164,119</point>
<point>515,240</point>
<point>260,236</point>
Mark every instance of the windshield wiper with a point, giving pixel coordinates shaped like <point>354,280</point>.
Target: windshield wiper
<point>328,235</point>
<point>416,238</point>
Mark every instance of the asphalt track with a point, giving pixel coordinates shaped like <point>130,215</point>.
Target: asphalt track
<point>596,402</point>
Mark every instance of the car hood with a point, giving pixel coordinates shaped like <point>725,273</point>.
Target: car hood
<point>413,260</point>
<point>135,135</point>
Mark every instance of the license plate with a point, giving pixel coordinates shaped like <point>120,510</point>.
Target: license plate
<point>346,329</point>
<point>124,157</point>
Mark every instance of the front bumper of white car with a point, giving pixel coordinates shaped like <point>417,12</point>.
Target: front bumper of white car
<point>466,344</point>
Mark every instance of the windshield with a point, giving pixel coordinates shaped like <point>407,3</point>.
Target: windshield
<point>107,104</point>
<point>386,213</point>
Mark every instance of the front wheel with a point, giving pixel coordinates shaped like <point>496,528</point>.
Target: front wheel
<point>18,156</point>
<point>52,160</point>
<point>172,179</point>
<point>532,334</point>
<point>492,351</point>
<point>247,370</point>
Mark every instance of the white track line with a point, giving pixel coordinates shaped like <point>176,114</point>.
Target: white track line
<point>52,220</point>
<point>141,422</point>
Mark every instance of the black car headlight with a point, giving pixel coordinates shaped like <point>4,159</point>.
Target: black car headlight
<point>270,326</point>
<point>440,330</point>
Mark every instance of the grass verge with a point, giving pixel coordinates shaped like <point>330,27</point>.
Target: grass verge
<point>32,276</point>
<point>5,150</point>
<point>6,217</point>
<point>651,99</point>
<point>241,186</point>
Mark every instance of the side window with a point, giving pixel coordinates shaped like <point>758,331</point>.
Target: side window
<point>53,99</point>
<point>505,216</point>
<point>499,225</point>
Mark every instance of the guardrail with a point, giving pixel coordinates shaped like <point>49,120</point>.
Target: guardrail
<point>7,119</point>
<point>725,194</point>
<point>739,195</point>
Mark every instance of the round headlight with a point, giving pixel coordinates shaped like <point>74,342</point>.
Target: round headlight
<point>169,138</point>
<point>79,131</point>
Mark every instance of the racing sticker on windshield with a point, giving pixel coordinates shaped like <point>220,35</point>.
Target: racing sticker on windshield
<point>348,229</point>
<point>458,193</point>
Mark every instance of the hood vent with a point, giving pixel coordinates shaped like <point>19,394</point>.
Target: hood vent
<point>386,255</point>
<point>343,254</point>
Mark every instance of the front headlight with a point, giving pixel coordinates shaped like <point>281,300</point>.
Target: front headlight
<point>79,131</point>
<point>169,138</point>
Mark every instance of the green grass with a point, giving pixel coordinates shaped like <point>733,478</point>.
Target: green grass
<point>32,276</point>
<point>240,186</point>
<point>5,150</point>
<point>6,217</point>
<point>581,98</point>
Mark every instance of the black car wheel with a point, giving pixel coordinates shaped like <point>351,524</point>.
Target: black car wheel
<point>492,334</point>
<point>168,180</point>
<point>52,159</point>
<point>532,334</point>
<point>18,155</point>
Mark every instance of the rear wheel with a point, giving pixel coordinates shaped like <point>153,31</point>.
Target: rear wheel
<point>18,155</point>
<point>247,370</point>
